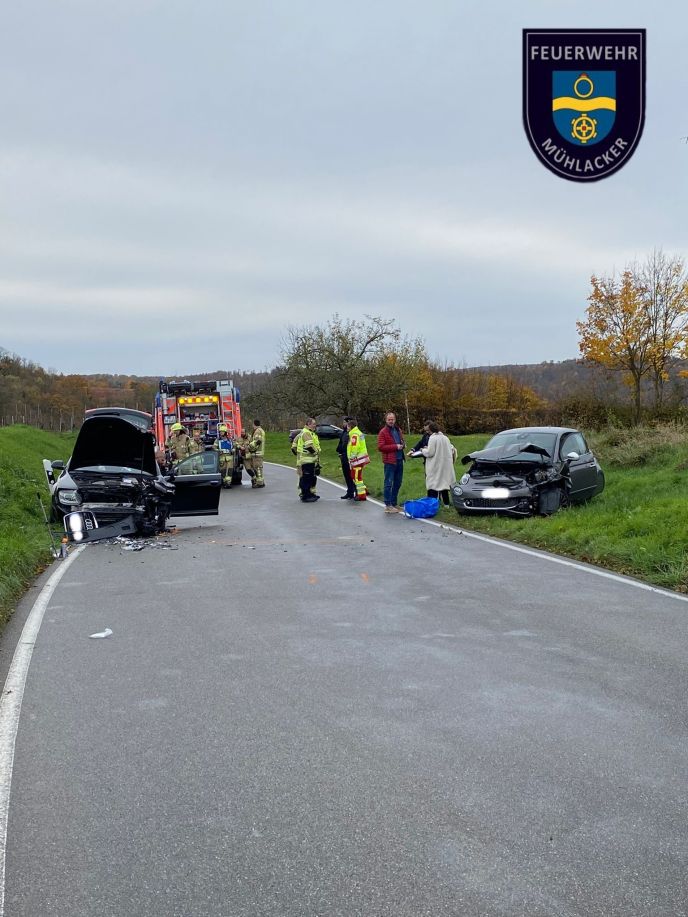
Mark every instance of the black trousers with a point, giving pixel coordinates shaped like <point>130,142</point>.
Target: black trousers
<point>442,495</point>
<point>308,479</point>
<point>348,480</point>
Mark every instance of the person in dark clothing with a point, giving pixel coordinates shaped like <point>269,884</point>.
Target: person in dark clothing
<point>344,459</point>
<point>422,442</point>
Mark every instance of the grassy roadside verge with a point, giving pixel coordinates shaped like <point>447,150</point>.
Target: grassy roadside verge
<point>638,526</point>
<point>24,541</point>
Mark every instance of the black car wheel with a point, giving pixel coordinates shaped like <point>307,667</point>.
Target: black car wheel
<point>551,500</point>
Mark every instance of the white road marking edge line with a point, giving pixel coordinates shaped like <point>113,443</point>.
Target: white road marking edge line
<point>11,701</point>
<point>532,552</point>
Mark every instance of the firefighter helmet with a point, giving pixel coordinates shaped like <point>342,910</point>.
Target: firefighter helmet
<point>222,428</point>
<point>176,427</point>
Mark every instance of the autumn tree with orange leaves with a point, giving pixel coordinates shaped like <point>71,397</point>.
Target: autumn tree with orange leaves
<point>638,324</point>
<point>617,333</point>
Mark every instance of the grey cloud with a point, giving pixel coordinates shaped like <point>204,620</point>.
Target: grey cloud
<point>267,164</point>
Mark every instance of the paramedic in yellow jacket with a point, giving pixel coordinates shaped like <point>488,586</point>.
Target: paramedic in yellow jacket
<point>253,463</point>
<point>357,453</point>
<point>307,448</point>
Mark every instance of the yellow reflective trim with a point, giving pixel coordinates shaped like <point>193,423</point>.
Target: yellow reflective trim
<point>584,104</point>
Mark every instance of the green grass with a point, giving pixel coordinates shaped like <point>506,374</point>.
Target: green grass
<point>637,526</point>
<point>24,540</point>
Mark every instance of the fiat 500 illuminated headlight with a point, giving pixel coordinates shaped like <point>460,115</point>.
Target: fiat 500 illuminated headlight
<point>68,497</point>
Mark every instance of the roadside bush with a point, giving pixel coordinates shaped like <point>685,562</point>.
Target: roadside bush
<point>637,446</point>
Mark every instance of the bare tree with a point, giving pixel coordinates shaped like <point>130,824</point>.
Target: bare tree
<point>347,366</point>
<point>663,285</point>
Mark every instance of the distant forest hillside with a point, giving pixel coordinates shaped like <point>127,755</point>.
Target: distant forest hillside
<point>32,395</point>
<point>558,383</point>
<point>564,392</point>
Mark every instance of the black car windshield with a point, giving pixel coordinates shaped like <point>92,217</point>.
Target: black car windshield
<point>512,442</point>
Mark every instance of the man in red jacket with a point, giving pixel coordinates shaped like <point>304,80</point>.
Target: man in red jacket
<point>390,442</point>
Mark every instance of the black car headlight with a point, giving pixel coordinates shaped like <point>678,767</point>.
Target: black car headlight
<point>465,479</point>
<point>78,525</point>
<point>68,497</point>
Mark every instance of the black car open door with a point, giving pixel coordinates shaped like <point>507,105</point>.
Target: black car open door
<point>197,485</point>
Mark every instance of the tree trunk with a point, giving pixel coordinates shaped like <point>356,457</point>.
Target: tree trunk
<point>636,400</point>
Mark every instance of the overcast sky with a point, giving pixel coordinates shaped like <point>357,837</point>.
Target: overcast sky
<point>182,179</point>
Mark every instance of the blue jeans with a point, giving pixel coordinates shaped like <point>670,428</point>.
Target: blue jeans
<point>393,477</point>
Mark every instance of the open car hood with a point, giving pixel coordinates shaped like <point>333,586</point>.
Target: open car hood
<point>115,442</point>
<point>501,454</point>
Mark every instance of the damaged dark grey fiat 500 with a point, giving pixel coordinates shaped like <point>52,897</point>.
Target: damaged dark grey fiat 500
<point>112,484</point>
<point>529,471</point>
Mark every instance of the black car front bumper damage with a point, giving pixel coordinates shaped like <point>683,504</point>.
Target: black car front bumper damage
<point>147,514</point>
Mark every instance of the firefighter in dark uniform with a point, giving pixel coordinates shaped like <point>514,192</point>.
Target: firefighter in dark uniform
<point>241,444</point>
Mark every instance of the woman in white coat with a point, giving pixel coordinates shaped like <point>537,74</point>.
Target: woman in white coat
<point>440,456</point>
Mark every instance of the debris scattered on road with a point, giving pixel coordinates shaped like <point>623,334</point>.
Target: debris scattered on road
<point>105,633</point>
<point>124,543</point>
<point>138,544</point>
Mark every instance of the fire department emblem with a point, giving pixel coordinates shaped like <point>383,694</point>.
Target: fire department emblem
<point>584,105</point>
<point>583,98</point>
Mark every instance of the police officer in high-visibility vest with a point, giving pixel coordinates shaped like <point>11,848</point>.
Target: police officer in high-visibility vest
<point>253,463</point>
<point>223,445</point>
<point>357,454</point>
<point>307,449</point>
<point>178,443</point>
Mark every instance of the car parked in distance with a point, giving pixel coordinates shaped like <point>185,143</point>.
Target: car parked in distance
<point>528,471</point>
<point>112,484</point>
<point>323,431</point>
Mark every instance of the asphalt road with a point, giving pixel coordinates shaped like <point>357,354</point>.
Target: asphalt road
<point>324,710</point>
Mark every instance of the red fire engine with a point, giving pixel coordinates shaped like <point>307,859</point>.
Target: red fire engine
<point>197,404</point>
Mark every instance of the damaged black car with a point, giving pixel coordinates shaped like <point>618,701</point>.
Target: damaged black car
<point>528,471</point>
<point>112,484</point>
